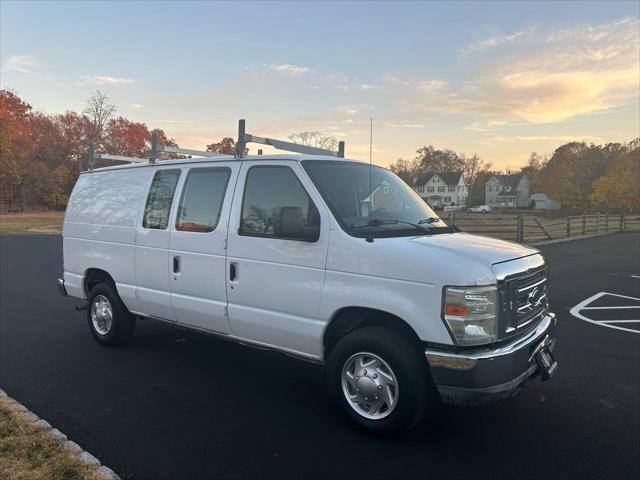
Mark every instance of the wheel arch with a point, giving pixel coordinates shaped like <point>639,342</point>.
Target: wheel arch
<point>94,276</point>
<point>349,319</point>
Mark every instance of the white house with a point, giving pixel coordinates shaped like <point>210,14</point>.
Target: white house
<point>443,188</point>
<point>542,201</point>
<point>507,191</point>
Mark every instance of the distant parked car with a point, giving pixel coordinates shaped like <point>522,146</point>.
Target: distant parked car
<point>480,209</point>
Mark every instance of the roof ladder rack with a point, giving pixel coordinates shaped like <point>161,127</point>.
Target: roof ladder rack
<point>241,145</point>
<point>156,148</point>
<point>244,138</point>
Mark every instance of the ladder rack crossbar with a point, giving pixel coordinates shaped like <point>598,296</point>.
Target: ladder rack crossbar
<point>188,151</point>
<point>289,146</point>
<point>121,158</point>
<point>244,138</point>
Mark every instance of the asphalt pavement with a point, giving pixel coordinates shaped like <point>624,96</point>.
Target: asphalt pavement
<point>180,405</point>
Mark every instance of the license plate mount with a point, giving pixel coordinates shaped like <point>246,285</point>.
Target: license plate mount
<point>547,365</point>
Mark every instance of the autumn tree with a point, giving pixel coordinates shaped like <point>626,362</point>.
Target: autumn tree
<point>124,137</point>
<point>14,145</point>
<point>569,174</point>
<point>133,139</point>
<point>619,187</point>
<point>226,146</point>
<point>533,170</point>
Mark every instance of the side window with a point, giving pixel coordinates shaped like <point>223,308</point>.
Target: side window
<point>158,206</point>
<point>276,205</point>
<point>202,198</point>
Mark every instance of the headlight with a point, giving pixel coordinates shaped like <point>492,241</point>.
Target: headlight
<point>471,313</point>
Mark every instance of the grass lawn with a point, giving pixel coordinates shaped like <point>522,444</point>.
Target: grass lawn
<point>28,452</point>
<point>31,222</point>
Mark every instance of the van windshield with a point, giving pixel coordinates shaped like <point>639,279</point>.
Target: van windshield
<point>372,201</point>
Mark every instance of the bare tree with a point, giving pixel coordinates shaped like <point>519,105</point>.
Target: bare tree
<point>99,111</point>
<point>315,139</point>
<point>472,166</point>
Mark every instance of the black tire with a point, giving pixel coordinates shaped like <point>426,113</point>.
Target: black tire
<point>409,367</point>
<point>122,324</point>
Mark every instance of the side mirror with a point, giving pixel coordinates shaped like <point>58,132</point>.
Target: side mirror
<point>290,225</point>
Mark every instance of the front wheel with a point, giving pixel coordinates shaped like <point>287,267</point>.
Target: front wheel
<point>380,380</point>
<point>109,320</point>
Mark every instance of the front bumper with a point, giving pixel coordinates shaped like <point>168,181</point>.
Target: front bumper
<point>490,374</point>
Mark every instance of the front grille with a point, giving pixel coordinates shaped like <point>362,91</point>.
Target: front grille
<point>524,300</point>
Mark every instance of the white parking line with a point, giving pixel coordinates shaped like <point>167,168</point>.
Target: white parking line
<point>619,321</point>
<point>609,308</point>
<point>575,311</point>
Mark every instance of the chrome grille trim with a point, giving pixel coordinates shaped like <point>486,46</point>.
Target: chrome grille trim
<point>523,296</point>
<point>524,289</point>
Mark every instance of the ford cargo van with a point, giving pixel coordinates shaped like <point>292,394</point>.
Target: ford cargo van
<point>331,260</point>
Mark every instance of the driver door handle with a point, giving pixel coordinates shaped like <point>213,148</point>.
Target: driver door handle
<point>176,264</point>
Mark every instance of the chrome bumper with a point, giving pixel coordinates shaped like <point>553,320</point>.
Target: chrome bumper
<point>490,374</point>
<point>61,288</point>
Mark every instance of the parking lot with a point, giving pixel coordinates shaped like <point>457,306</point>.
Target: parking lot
<point>176,404</point>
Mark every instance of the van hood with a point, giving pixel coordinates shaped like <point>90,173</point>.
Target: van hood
<point>485,250</point>
<point>444,259</point>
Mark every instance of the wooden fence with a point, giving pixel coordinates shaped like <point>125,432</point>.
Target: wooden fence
<point>524,228</point>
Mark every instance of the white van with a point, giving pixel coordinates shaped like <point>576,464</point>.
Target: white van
<point>330,260</point>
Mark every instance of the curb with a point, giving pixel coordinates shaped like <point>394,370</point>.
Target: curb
<point>85,457</point>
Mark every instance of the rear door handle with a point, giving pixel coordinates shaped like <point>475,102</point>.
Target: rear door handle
<point>176,264</point>
<point>233,271</point>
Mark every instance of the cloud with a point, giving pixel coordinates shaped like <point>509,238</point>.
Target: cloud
<point>497,40</point>
<point>565,73</point>
<point>339,82</point>
<point>367,86</point>
<point>430,85</point>
<point>425,85</point>
<point>483,126</point>
<point>290,70</point>
<point>403,125</point>
<point>351,109</point>
<point>545,138</point>
<point>106,80</point>
<point>22,64</point>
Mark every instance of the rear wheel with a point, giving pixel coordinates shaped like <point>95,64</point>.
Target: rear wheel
<point>109,320</point>
<point>380,380</point>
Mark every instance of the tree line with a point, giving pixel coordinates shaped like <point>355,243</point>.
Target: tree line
<point>41,156</point>
<point>579,175</point>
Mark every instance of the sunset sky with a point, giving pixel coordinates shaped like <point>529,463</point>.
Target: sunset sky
<point>497,79</point>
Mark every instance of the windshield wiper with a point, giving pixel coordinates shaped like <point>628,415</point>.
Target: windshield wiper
<point>429,220</point>
<point>388,221</point>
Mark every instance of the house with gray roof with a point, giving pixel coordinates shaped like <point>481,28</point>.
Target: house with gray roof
<point>442,188</point>
<point>507,191</point>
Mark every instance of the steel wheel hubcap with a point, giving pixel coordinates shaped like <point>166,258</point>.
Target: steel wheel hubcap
<point>101,314</point>
<point>369,385</point>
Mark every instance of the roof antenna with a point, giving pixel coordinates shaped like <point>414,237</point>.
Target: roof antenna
<point>369,238</point>
<point>370,166</point>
